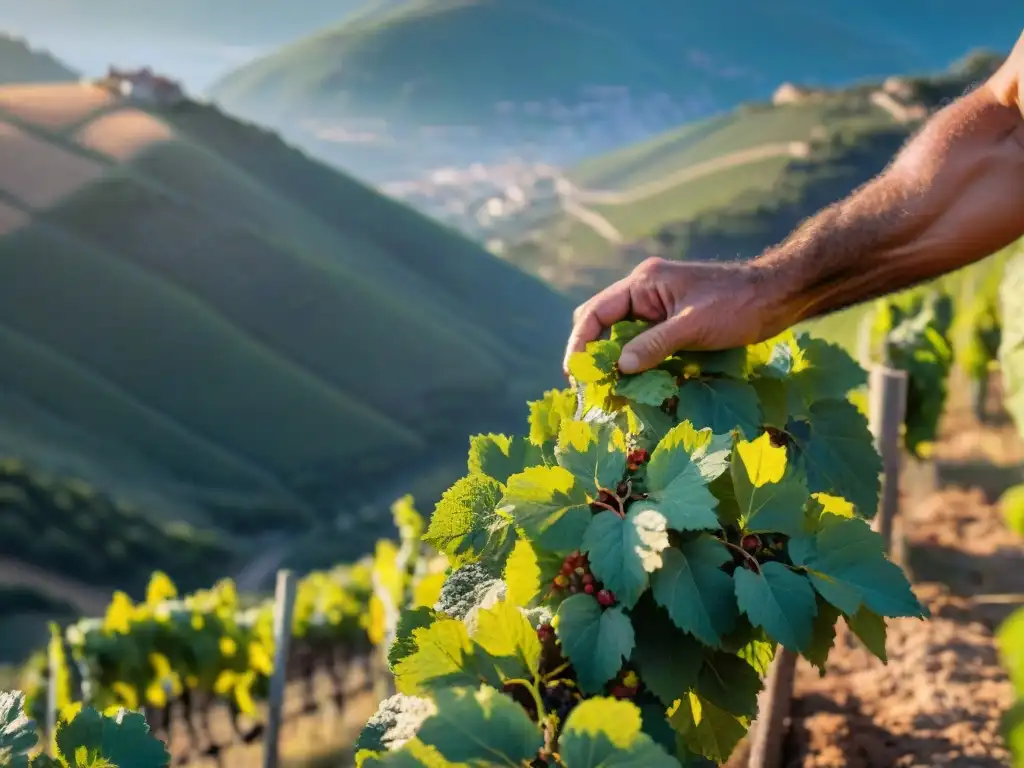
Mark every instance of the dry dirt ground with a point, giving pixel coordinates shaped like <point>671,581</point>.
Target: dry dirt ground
<point>321,739</point>
<point>938,700</point>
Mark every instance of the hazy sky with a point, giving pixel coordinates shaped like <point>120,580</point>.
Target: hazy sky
<point>197,63</point>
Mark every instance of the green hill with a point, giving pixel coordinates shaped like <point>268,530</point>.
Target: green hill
<point>195,313</point>
<point>729,186</point>
<point>21,64</point>
<point>501,71</point>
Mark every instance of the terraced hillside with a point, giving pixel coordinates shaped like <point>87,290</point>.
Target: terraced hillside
<point>729,186</point>
<point>196,316</point>
<point>493,73</point>
<point>20,63</point>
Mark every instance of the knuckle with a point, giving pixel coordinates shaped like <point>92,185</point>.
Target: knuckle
<point>653,267</point>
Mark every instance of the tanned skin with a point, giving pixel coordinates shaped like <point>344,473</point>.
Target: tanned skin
<point>952,196</point>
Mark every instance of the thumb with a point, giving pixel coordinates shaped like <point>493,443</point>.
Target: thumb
<point>654,345</point>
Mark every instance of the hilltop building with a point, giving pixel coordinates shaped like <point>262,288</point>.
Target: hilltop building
<point>144,86</point>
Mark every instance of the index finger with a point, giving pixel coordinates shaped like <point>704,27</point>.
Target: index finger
<point>602,311</point>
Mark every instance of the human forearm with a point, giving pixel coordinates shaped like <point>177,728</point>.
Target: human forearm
<point>954,195</point>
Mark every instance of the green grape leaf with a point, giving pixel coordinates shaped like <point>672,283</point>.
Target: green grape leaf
<point>676,486</point>
<point>404,644</point>
<point>522,574</point>
<point>480,727</point>
<point>772,359</point>
<point>625,331</point>
<point>721,405</point>
<point>657,726</point>
<point>869,628</point>
<point>770,498</point>
<point>607,733</point>
<point>548,413</point>
<point>759,654</point>
<point>823,635</point>
<point>648,388</point>
<point>598,363</point>
<point>595,640</point>
<point>836,454</point>
<point>706,729</point>
<point>623,551</point>
<point>779,601</point>
<point>443,657</point>
<point>500,456</point>
<point>549,506</point>
<point>649,424</point>
<point>730,683</point>
<point>465,516</point>
<point>846,563</point>
<point>505,633</point>
<point>724,362</point>
<point>773,395</point>
<point>668,661</point>
<point>123,740</point>
<point>1012,723</point>
<point>595,455</point>
<point>695,591</point>
<point>17,732</point>
<point>822,371</point>
<point>1012,505</point>
<point>710,452</point>
<point>413,754</point>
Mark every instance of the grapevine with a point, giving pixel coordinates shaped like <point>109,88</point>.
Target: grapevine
<point>623,576</point>
<point>83,738</point>
<point>982,333</point>
<point>206,644</point>
<point>1011,639</point>
<point>912,333</point>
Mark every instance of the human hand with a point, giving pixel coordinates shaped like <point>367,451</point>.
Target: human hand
<point>696,306</point>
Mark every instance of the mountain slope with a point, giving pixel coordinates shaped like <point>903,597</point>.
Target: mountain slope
<point>495,71</point>
<point>239,320</point>
<point>21,64</point>
<point>732,185</point>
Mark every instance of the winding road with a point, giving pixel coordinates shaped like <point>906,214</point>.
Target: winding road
<point>575,203</point>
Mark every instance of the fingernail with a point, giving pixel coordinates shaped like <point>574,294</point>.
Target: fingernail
<point>628,362</point>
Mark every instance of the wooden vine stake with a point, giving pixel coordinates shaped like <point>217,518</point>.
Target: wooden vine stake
<point>54,661</point>
<point>887,409</point>
<point>284,608</point>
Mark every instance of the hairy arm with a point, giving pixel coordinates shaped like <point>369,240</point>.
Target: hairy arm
<point>954,195</point>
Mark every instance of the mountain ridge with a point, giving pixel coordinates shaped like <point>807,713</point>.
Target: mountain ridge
<point>458,65</point>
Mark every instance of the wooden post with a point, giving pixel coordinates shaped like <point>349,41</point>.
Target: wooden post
<point>52,694</point>
<point>284,605</point>
<point>887,411</point>
<point>776,701</point>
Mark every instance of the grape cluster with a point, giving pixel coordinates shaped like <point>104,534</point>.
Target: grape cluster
<point>560,697</point>
<point>575,577</point>
<point>636,458</point>
<point>625,686</point>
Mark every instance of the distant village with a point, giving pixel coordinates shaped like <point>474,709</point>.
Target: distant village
<point>143,86</point>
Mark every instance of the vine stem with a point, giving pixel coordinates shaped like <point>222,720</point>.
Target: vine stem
<point>610,508</point>
<point>557,670</point>
<point>531,686</point>
<point>749,557</point>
